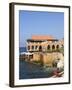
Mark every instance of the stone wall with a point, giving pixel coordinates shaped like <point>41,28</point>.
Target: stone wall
<point>47,58</point>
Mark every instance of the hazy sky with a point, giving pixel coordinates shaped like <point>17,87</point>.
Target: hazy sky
<point>40,23</point>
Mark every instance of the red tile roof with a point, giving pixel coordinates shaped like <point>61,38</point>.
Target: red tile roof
<point>42,37</point>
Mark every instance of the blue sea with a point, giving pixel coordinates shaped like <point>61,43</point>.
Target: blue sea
<point>22,49</point>
<point>29,70</point>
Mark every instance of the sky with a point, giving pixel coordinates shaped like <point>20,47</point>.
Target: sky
<point>40,23</point>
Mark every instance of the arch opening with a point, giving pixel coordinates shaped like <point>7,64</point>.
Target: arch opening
<point>53,47</point>
<point>48,47</point>
<point>40,48</point>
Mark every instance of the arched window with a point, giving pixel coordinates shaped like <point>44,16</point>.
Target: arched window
<point>28,47</point>
<point>40,48</point>
<point>32,47</point>
<point>53,46</point>
<point>36,47</point>
<point>57,47</point>
<point>48,47</point>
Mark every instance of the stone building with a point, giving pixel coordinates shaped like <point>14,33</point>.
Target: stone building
<point>43,43</point>
<point>45,49</point>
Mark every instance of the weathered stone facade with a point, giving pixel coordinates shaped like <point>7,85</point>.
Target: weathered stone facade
<point>47,58</point>
<point>41,47</point>
<point>44,44</point>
